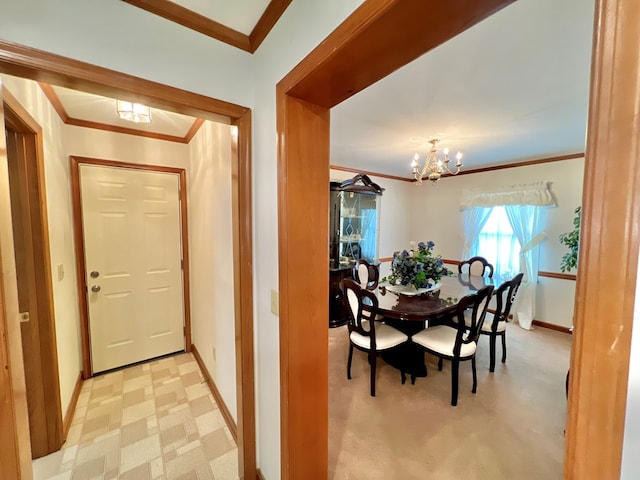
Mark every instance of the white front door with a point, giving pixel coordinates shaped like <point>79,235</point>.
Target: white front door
<point>132,235</point>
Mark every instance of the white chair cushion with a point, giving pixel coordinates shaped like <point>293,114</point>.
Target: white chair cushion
<point>442,339</point>
<point>386,337</point>
<point>488,322</point>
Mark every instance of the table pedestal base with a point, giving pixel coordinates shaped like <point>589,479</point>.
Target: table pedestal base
<point>408,357</point>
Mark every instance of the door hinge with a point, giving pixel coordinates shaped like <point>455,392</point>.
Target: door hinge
<point>24,317</point>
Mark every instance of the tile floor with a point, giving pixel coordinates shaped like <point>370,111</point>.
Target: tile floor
<point>156,420</point>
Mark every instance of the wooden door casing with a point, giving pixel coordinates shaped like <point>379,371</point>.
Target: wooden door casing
<point>81,264</point>
<point>33,275</point>
<point>132,241</point>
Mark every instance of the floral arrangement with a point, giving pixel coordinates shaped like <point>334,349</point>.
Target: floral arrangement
<point>419,266</point>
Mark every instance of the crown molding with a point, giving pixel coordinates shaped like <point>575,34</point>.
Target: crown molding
<point>374,174</point>
<point>190,19</point>
<point>538,161</point>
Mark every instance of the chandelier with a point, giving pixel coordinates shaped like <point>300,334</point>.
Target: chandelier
<point>134,112</point>
<point>436,164</point>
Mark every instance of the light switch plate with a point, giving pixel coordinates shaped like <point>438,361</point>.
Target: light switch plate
<point>274,302</point>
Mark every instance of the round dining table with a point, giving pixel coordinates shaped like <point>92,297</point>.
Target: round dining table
<point>412,312</point>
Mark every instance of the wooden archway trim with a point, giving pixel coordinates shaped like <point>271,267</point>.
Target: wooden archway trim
<point>377,38</point>
<point>609,246</point>
<point>26,62</point>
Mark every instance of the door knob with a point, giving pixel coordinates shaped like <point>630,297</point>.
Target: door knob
<point>94,274</point>
<point>95,288</point>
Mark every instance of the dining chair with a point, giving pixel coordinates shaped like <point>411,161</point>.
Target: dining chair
<point>495,325</point>
<point>476,266</point>
<point>366,274</point>
<point>455,341</point>
<point>366,334</point>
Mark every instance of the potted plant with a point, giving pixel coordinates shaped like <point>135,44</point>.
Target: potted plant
<point>572,241</point>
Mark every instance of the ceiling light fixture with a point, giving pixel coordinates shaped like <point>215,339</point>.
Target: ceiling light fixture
<point>133,112</point>
<point>435,164</point>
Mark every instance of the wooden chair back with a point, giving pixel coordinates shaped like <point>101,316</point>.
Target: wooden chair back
<point>505,295</point>
<point>477,303</point>
<point>360,319</point>
<point>366,274</point>
<point>476,266</point>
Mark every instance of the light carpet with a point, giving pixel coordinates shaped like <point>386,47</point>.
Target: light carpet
<point>512,428</point>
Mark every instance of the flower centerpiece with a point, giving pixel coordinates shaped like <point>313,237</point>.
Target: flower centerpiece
<point>419,267</point>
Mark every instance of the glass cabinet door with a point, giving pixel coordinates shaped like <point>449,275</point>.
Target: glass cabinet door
<point>358,227</point>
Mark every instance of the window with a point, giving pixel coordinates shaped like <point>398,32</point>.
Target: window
<point>499,245</point>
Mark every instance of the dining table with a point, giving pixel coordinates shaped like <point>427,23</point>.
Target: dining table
<point>412,311</point>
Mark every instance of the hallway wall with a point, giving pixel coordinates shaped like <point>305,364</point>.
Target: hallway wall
<point>211,252</point>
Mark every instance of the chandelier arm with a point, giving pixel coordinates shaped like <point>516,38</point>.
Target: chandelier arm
<point>453,172</point>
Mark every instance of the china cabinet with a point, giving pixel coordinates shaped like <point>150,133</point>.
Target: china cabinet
<point>353,234</point>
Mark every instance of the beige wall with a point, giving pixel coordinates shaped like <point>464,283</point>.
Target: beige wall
<point>87,142</point>
<point>211,253</point>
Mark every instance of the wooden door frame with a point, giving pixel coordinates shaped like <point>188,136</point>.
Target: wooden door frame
<point>379,37</point>
<point>44,377</point>
<point>30,63</point>
<point>78,235</point>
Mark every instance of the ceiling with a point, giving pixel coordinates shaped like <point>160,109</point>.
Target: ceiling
<point>513,88</point>
<point>100,110</point>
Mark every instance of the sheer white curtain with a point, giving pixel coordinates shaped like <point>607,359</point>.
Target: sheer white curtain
<point>474,220</point>
<point>524,205</point>
<point>526,221</point>
<point>499,244</point>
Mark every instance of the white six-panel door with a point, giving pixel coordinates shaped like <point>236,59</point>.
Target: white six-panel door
<point>132,234</point>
